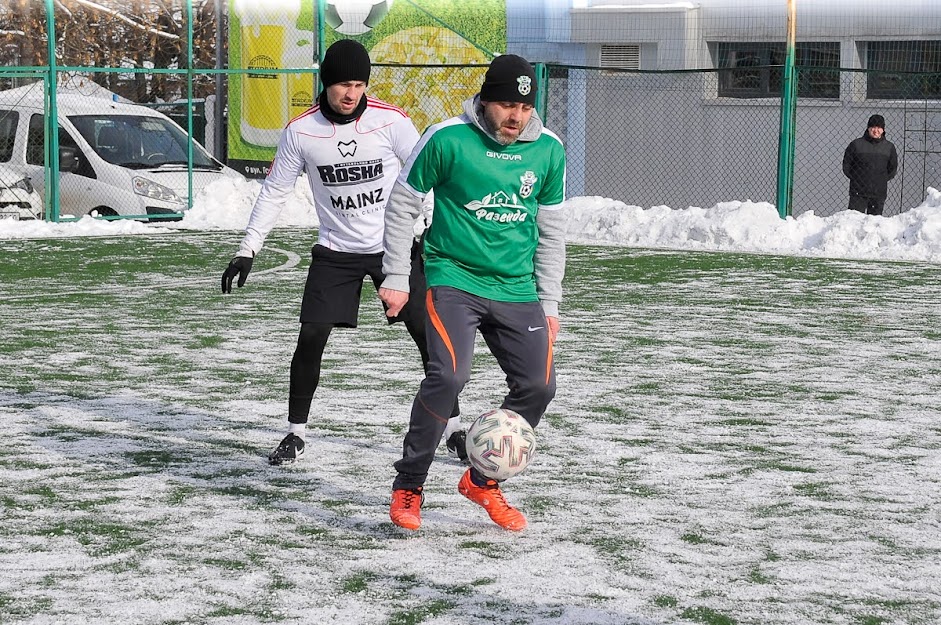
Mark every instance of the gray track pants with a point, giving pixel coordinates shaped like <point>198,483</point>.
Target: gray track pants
<point>516,334</point>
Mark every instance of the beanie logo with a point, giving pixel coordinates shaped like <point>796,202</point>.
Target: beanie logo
<point>525,85</point>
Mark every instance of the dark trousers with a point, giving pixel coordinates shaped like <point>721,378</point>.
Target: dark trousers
<point>518,337</point>
<point>332,297</point>
<point>867,205</point>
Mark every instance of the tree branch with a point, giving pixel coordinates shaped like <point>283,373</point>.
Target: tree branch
<point>127,20</point>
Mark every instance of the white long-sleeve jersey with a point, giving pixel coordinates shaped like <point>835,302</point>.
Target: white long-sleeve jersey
<point>351,168</point>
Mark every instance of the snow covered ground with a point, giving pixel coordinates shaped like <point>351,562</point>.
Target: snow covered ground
<point>738,438</point>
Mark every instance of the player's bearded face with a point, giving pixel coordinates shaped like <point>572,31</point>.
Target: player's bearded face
<point>507,119</point>
<point>344,97</point>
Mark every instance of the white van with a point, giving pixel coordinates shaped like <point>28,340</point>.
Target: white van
<point>115,158</point>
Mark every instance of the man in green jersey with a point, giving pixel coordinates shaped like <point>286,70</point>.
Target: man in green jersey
<point>494,261</point>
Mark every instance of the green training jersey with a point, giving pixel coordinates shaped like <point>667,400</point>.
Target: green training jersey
<point>483,235</point>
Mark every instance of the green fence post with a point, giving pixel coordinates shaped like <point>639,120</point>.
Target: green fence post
<point>788,119</point>
<point>321,44</point>
<point>542,89</point>
<point>51,143</point>
<point>189,103</point>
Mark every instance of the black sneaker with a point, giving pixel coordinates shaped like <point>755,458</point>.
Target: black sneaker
<point>289,450</point>
<point>457,445</point>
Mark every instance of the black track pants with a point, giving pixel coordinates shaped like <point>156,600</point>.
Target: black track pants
<point>518,337</point>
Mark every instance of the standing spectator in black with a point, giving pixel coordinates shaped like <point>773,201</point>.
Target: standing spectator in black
<point>870,162</point>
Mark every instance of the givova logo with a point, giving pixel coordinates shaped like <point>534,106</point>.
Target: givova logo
<point>498,207</point>
<point>504,157</point>
<point>350,173</point>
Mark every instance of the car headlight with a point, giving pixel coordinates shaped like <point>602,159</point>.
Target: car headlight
<point>151,189</point>
<point>22,183</point>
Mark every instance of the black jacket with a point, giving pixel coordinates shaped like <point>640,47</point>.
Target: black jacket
<point>870,164</point>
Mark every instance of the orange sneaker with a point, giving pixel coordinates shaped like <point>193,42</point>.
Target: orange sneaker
<point>490,497</point>
<point>405,510</point>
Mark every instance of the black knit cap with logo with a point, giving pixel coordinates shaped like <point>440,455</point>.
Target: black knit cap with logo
<point>345,60</point>
<point>510,78</point>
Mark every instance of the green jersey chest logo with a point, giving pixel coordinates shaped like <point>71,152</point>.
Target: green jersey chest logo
<point>528,180</point>
<point>499,207</point>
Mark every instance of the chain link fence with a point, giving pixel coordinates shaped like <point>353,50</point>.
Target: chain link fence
<point>644,138</point>
<point>429,94</point>
<point>667,138</point>
<point>651,139</point>
<point>676,138</point>
<point>115,158</point>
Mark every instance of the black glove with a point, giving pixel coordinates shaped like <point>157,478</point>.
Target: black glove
<point>238,266</point>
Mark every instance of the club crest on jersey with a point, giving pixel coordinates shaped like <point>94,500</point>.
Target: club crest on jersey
<point>528,180</point>
<point>525,85</point>
<point>347,148</point>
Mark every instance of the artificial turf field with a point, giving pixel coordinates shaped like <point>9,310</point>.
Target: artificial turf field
<point>736,439</point>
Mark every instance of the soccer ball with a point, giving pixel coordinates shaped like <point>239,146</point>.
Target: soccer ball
<point>500,443</point>
<point>355,17</point>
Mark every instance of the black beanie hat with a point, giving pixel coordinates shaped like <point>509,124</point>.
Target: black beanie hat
<point>876,120</point>
<point>510,78</point>
<point>345,60</point>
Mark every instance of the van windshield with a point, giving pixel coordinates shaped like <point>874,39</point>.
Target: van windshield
<point>139,142</point>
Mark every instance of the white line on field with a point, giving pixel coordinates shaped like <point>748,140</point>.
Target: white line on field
<point>292,261</point>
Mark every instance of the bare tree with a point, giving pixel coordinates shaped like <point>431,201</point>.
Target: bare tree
<point>106,34</point>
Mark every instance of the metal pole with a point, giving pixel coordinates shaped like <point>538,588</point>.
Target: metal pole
<point>52,122</point>
<point>189,103</point>
<point>220,87</point>
<point>321,43</point>
<point>788,117</point>
<point>542,89</point>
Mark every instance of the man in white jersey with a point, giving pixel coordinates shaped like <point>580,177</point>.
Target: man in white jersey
<point>494,260</point>
<point>351,147</point>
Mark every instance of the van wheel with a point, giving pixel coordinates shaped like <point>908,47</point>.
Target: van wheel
<point>103,211</point>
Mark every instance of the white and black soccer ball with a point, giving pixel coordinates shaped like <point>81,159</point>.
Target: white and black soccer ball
<point>355,17</point>
<point>500,444</point>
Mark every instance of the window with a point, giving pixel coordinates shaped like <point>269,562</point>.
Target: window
<point>904,69</point>
<point>138,141</point>
<point>748,73</point>
<point>8,123</point>
<point>36,153</point>
<point>625,56</point>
